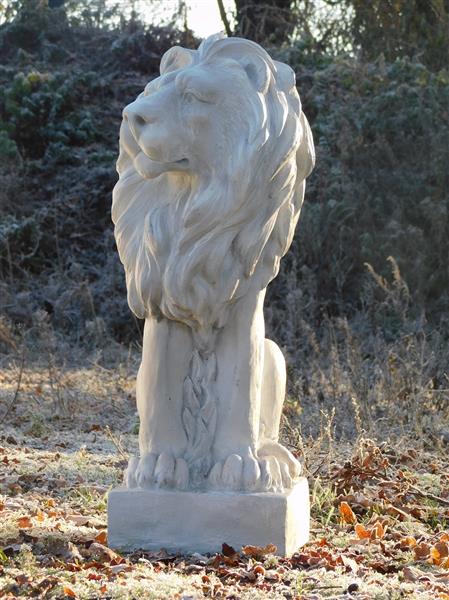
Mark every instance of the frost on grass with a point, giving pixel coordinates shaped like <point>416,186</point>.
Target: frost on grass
<point>380,509</point>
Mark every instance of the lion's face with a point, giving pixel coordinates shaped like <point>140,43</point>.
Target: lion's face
<point>189,120</point>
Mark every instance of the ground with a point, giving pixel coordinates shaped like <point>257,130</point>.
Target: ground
<point>380,507</point>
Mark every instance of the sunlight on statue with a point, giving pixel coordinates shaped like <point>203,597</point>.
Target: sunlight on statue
<point>213,159</point>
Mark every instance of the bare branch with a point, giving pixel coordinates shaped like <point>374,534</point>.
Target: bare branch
<point>224,18</point>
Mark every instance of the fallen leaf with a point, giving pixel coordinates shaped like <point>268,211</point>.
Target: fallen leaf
<point>255,551</point>
<point>69,592</point>
<point>361,532</point>
<point>101,538</point>
<point>378,531</point>
<point>77,519</point>
<point>408,542</point>
<point>272,575</point>
<point>323,542</point>
<point>103,553</point>
<point>23,579</point>
<point>410,574</point>
<point>350,563</point>
<point>422,551</point>
<point>24,522</point>
<point>62,548</point>
<point>439,554</point>
<point>227,550</point>
<point>346,513</point>
<point>434,556</point>
<point>443,549</point>
<point>119,568</point>
<point>259,570</point>
<point>40,516</point>
<point>45,585</point>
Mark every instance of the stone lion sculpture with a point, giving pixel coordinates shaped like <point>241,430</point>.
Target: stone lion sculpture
<point>213,159</point>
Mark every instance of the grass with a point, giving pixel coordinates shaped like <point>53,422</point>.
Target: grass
<point>61,451</point>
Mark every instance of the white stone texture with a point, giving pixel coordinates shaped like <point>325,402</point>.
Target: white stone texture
<point>190,522</point>
<point>213,159</point>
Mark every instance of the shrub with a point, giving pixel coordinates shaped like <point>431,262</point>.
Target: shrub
<point>39,109</point>
<point>381,184</point>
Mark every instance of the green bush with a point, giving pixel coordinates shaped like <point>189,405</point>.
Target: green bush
<point>381,183</point>
<point>39,109</point>
<point>379,189</point>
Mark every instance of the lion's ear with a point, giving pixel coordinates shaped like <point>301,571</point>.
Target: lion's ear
<point>258,72</point>
<point>176,58</point>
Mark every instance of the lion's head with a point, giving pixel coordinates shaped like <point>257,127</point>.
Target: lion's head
<point>213,158</point>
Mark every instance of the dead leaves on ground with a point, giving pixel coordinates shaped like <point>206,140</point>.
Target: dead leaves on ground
<point>380,500</point>
<point>436,554</point>
<point>388,524</point>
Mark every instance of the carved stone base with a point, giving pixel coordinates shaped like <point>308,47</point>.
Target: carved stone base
<point>202,521</point>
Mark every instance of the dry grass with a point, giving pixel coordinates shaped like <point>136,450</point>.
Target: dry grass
<point>69,423</point>
<point>382,372</point>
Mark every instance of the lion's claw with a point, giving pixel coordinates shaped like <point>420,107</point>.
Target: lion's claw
<point>153,470</point>
<point>266,473</point>
<point>251,473</point>
<point>164,470</point>
<point>145,470</point>
<point>231,475</point>
<point>273,470</point>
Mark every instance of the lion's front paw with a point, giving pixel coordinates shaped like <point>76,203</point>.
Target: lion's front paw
<point>157,471</point>
<point>274,470</point>
<point>279,467</point>
<point>237,472</point>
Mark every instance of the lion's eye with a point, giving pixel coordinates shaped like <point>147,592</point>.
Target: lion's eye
<point>194,96</point>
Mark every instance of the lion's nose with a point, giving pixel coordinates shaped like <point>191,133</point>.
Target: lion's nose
<point>137,119</point>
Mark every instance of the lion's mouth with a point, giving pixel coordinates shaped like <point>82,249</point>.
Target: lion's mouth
<point>149,168</point>
<point>183,162</point>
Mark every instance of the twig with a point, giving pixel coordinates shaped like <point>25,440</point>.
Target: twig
<point>328,587</point>
<point>224,18</point>
<point>116,443</point>
<point>317,470</point>
<point>16,393</point>
<point>429,496</point>
<point>398,511</point>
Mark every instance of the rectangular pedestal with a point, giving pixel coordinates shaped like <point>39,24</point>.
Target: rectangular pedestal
<point>201,521</point>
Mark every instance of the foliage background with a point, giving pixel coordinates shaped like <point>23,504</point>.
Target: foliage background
<point>360,307</point>
<point>367,275</point>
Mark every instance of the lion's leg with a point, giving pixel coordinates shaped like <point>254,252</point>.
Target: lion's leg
<point>273,391</point>
<point>167,349</point>
<point>280,466</point>
<point>239,349</point>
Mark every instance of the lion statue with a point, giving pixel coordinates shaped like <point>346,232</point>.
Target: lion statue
<point>213,159</point>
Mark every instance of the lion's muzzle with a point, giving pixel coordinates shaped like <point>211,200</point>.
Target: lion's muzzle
<point>138,118</point>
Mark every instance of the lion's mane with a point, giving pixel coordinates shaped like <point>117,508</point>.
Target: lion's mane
<point>190,254</point>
